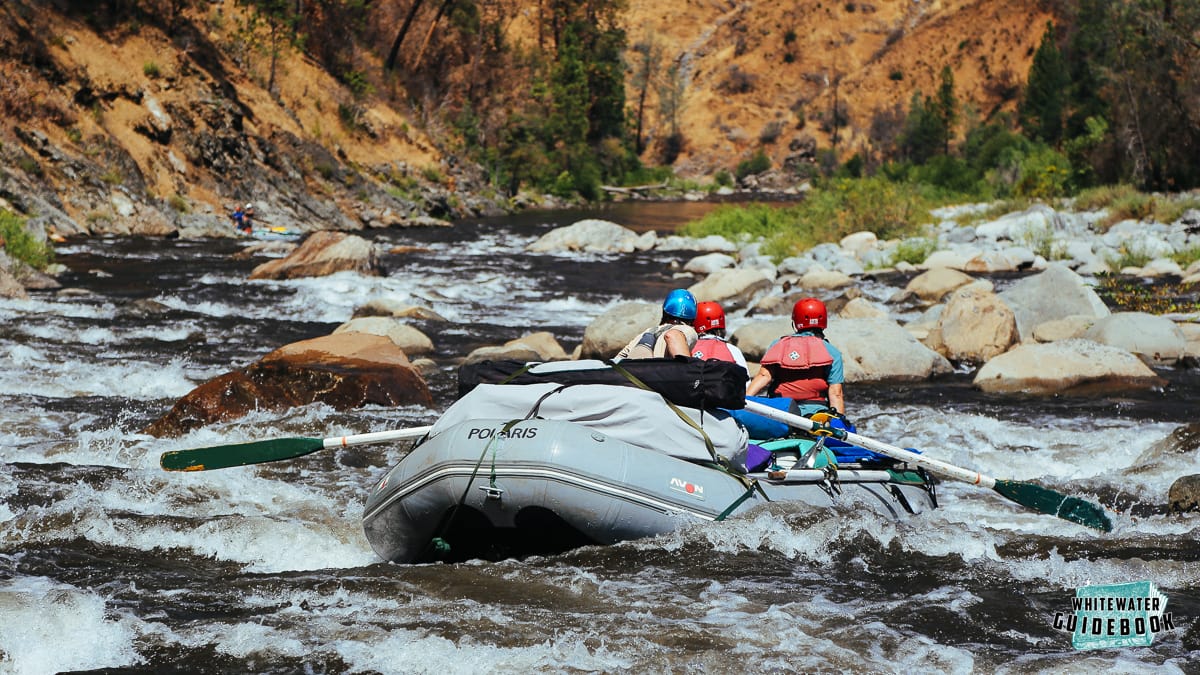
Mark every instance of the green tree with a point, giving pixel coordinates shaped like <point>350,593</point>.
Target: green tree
<point>1041,111</point>
<point>945,108</point>
<point>924,132</point>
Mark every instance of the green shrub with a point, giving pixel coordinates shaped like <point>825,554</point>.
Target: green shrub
<point>21,245</point>
<point>914,250</point>
<point>1094,199</point>
<point>889,209</point>
<point>178,203</point>
<point>757,163</point>
<point>1187,256</point>
<point>1129,257</point>
<point>150,69</point>
<point>112,177</point>
<point>432,174</point>
<point>723,178</point>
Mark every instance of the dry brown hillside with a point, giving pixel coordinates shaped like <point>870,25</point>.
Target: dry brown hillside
<point>765,71</point>
<point>187,118</point>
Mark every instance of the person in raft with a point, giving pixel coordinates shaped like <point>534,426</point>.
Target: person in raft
<point>803,366</point>
<point>674,336</point>
<point>711,342</point>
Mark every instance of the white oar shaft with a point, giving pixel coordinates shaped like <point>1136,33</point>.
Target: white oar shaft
<point>376,437</point>
<point>936,466</point>
<point>843,476</point>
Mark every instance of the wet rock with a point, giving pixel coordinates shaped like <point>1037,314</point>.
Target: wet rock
<point>345,371</point>
<point>322,254</point>
<point>398,309</point>
<point>1184,494</point>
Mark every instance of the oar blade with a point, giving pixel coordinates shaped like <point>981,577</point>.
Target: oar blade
<point>1055,503</point>
<point>239,454</point>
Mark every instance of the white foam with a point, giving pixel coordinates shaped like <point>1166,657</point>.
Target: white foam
<point>25,370</point>
<point>43,622</point>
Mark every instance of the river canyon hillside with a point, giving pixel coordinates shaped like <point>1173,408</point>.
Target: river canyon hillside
<point>157,116</point>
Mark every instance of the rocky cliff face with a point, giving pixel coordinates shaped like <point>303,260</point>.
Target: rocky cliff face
<point>143,126</point>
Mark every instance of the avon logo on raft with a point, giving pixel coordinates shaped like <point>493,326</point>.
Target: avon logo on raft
<point>1115,615</point>
<point>690,489</point>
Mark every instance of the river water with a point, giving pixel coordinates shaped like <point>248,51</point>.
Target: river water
<point>109,564</point>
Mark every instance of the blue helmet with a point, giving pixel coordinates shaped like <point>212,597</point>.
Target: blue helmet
<point>680,304</point>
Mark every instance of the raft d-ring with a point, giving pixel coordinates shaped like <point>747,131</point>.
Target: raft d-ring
<point>492,492</point>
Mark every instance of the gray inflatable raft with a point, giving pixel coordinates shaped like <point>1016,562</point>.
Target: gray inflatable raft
<point>505,486</point>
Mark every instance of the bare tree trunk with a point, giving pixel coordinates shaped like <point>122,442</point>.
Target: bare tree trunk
<point>429,33</point>
<point>395,51</point>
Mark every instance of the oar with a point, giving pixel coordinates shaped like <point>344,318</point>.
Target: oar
<point>257,452</point>
<point>1029,495</point>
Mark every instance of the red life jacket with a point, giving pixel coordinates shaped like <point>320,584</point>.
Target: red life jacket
<point>713,348</point>
<point>799,365</point>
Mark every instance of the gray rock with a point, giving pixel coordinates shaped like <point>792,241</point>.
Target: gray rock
<point>1054,294</point>
<point>1155,338</point>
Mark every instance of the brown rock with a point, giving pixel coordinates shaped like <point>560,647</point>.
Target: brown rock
<point>1184,494</point>
<point>321,254</point>
<point>346,370</point>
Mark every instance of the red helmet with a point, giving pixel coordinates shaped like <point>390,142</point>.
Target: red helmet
<point>709,316</point>
<point>810,313</point>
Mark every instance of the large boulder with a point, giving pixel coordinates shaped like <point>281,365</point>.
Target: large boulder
<point>933,285</point>
<point>881,350</point>
<point>321,254</point>
<point>1063,329</point>
<point>544,343</point>
<point>612,330</point>
<point>733,288</point>
<point>593,235</point>
<point>1069,367</point>
<point>975,326</point>
<point>1155,338</point>
<point>346,371</point>
<point>1054,294</point>
<point>410,340</point>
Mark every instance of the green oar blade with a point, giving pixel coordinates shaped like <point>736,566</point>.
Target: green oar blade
<point>1054,503</point>
<point>239,454</point>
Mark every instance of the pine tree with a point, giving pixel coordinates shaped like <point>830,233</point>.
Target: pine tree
<point>1041,112</point>
<point>945,108</point>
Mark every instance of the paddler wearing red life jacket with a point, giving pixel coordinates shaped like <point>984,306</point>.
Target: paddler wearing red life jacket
<point>711,343</point>
<point>803,366</point>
